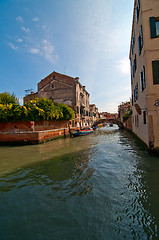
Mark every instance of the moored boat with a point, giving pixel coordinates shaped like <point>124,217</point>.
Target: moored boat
<point>81,132</point>
<point>95,128</point>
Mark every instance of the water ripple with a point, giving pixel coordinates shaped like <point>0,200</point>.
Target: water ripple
<point>105,188</point>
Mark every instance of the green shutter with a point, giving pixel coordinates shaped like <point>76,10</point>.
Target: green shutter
<point>155,68</point>
<point>141,35</point>
<point>152,27</point>
<point>139,45</point>
<point>141,80</point>
<point>144,79</point>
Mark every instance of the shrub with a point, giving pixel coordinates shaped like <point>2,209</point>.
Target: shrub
<point>35,110</point>
<point>7,98</point>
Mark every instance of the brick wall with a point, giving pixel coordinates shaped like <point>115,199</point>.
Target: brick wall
<point>29,97</point>
<point>28,126</point>
<point>19,138</point>
<point>32,132</point>
<point>128,123</point>
<point>56,76</point>
<point>49,125</point>
<point>15,126</point>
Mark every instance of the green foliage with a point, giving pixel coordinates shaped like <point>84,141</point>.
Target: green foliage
<point>68,112</point>
<point>36,110</point>
<point>7,98</point>
<point>127,115</point>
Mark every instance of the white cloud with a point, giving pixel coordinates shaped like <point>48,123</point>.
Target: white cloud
<point>36,45</point>
<point>19,40</point>
<point>48,51</point>
<point>13,46</point>
<point>19,19</point>
<point>26,30</point>
<point>123,65</point>
<point>45,49</point>
<point>35,19</point>
<point>34,51</point>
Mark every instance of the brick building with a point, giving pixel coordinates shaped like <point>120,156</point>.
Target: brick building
<point>68,90</point>
<point>94,116</point>
<point>107,116</point>
<point>122,109</point>
<point>144,59</point>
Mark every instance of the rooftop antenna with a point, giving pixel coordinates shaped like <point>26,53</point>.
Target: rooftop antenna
<point>28,91</point>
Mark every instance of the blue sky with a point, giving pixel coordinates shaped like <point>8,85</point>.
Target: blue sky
<point>89,39</point>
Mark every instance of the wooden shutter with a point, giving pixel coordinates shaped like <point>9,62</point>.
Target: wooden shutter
<point>135,95</point>
<point>137,91</point>
<point>141,80</point>
<point>135,63</point>
<point>155,69</point>
<point>133,70</point>
<point>152,27</point>
<point>141,35</point>
<point>144,79</point>
<point>139,45</point>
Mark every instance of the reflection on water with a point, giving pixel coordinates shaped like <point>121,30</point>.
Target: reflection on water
<point>58,170</point>
<point>100,186</point>
<point>12,158</point>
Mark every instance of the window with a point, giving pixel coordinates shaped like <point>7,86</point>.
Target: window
<point>137,11</point>
<point>53,77</point>
<point>136,93</point>
<point>155,69</point>
<point>157,27</point>
<point>142,79</point>
<point>135,63</point>
<point>137,121</point>
<point>52,85</point>
<point>133,42</point>
<point>154,26</point>
<point>134,66</point>
<point>144,117</point>
<point>140,41</point>
<point>131,80</point>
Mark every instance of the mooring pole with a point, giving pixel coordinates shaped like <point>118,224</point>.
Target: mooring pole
<point>64,134</point>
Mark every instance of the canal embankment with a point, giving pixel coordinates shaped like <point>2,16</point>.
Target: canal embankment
<point>32,132</point>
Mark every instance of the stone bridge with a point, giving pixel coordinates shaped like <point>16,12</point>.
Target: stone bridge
<point>113,121</point>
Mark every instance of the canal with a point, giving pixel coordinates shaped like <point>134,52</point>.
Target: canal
<point>97,187</point>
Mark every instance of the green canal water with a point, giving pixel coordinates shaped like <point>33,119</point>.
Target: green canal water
<point>97,187</point>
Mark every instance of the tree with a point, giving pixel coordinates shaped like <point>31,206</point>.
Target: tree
<point>6,98</point>
<point>127,114</point>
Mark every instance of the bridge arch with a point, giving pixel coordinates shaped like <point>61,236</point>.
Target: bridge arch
<point>113,121</point>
